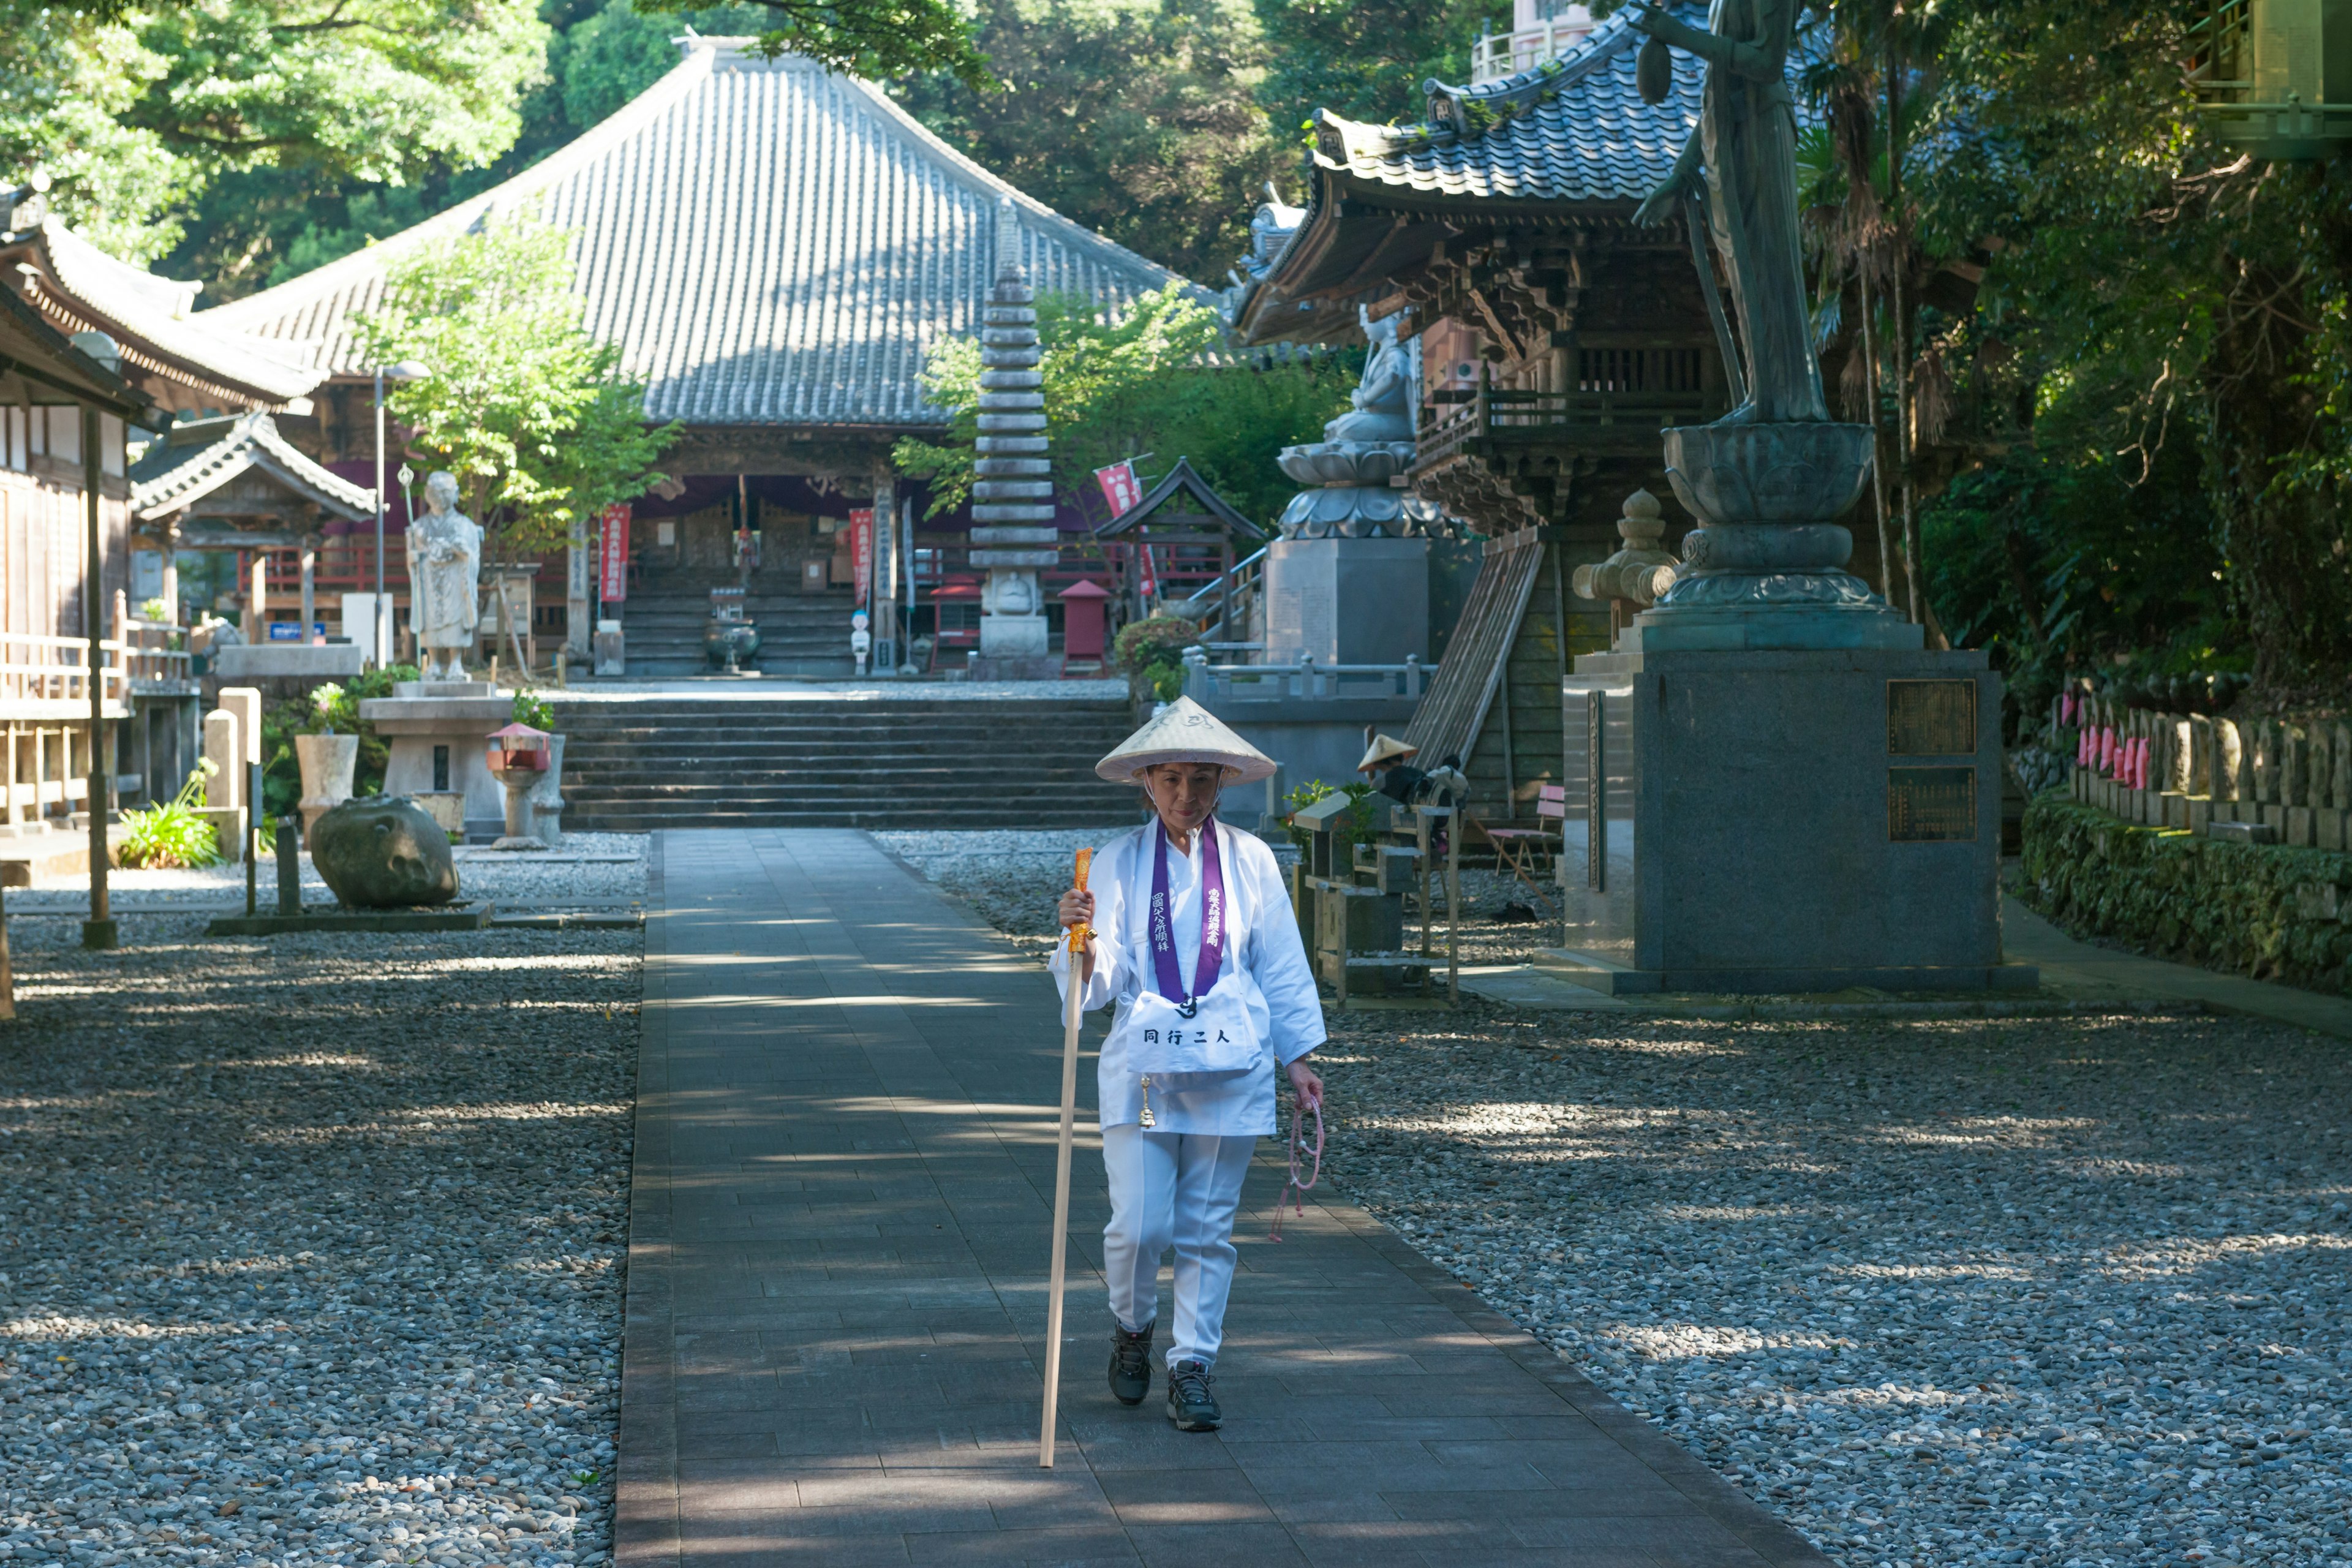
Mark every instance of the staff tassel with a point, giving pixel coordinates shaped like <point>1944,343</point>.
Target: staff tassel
<point>1081,939</point>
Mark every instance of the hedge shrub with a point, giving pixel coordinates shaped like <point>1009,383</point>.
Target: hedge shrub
<point>2261,910</point>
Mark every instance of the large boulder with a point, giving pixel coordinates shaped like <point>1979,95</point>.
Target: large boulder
<point>382,852</point>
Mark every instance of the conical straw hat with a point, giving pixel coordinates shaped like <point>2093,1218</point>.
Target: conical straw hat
<point>1382,749</point>
<point>1185,732</point>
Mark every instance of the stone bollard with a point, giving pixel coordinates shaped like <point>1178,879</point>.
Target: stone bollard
<point>290,868</point>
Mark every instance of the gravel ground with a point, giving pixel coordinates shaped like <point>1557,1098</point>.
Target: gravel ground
<point>591,870</point>
<point>310,1249</point>
<point>2049,1292</point>
<point>2072,1290</point>
<point>1012,879</point>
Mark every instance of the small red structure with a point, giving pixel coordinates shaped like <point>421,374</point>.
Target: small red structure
<point>1082,617</point>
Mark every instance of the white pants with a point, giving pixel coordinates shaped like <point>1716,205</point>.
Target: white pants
<point>1179,1190</point>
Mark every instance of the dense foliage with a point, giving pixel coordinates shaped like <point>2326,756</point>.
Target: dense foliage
<point>330,709</point>
<point>136,113</point>
<point>2145,391</point>
<point>531,414</point>
<point>1136,118</point>
<point>248,142</point>
<point>1364,59</point>
<point>1147,384</point>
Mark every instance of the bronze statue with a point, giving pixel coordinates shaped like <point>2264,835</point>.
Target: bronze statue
<point>1746,146</point>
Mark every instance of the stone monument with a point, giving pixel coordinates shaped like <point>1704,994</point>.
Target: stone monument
<point>1772,785</point>
<point>445,571</point>
<point>1013,532</point>
<point>1347,582</point>
<point>438,726</point>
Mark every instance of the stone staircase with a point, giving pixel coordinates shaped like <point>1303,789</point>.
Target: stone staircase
<point>945,762</point>
<point>799,634</point>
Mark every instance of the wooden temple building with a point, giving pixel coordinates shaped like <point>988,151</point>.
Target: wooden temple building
<point>1556,339</point>
<point>95,356</point>
<point>773,247</point>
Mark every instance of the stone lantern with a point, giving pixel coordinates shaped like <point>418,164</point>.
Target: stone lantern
<point>518,758</point>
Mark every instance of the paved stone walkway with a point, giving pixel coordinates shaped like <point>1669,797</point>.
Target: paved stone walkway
<point>836,1294</point>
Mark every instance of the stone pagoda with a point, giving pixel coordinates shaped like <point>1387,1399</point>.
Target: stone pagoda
<point>1014,534</point>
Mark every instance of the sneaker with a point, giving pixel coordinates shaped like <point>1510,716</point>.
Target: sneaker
<point>1130,1362</point>
<point>1189,1403</point>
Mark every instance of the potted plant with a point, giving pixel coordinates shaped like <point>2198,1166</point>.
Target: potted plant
<point>327,749</point>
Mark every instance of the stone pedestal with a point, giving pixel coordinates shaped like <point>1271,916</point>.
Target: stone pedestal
<point>439,732</point>
<point>1347,600</point>
<point>1013,647</point>
<point>1783,821</point>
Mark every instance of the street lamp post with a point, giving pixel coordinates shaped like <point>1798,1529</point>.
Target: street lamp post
<point>406,370</point>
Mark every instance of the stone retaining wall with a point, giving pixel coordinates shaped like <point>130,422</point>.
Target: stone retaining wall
<point>2274,912</point>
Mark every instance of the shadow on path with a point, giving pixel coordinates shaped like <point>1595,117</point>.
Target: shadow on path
<point>836,1293</point>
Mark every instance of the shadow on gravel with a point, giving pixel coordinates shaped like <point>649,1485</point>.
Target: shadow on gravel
<point>2050,1288</point>
<point>313,1241</point>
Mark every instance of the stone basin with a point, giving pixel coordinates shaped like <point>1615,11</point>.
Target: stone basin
<point>1729,474</point>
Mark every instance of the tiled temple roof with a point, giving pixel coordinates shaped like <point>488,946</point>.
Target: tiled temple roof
<point>1570,130</point>
<point>1568,142</point>
<point>186,361</point>
<point>767,242</point>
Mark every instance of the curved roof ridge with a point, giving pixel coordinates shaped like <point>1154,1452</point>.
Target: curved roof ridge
<point>1471,110</point>
<point>249,440</point>
<point>129,302</point>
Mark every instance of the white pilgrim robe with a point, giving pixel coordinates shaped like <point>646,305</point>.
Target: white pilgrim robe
<point>1261,944</point>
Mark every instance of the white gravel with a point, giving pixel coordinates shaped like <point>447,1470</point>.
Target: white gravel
<point>1011,878</point>
<point>2060,1291</point>
<point>591,870</point>
<point>310,1249</point>
<point>2064,1291</point>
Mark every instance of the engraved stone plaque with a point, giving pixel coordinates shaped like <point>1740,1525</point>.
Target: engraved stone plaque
<point>1931,805</point>
<point>1931,717</point>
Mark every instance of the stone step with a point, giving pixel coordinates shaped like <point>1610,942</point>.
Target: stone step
<point>879,818</point>
<point>904,780</point>
<point>912,761</point>
<point>911,769</point>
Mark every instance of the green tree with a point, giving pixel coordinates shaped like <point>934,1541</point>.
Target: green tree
<point>254,229</point>
<point>2150,288</point>
<point>1364,59</point>
<point>531,414</point>
<point>1148,384</point>
<point>873,38</point>
<point>136,110</point>
<point>1136,118</point>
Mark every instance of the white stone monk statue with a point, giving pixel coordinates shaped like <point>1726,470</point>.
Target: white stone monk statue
<point>445,571</point>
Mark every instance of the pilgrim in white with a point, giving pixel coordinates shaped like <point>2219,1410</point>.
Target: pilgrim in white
<point>1195,943</point>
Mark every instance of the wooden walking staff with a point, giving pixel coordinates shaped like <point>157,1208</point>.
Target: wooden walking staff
<point>1081,938</point>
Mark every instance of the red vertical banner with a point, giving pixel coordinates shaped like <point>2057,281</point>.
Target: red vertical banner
<point>1120,488</point>
<point>861,548</point>
<point>612,553</point>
